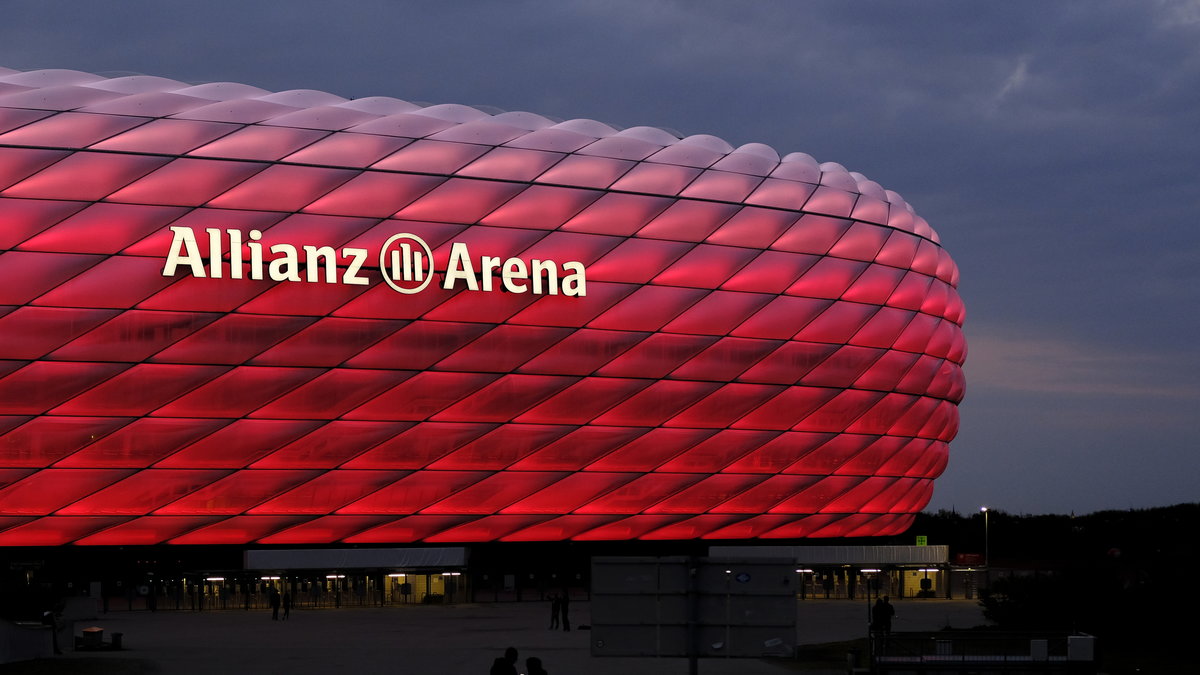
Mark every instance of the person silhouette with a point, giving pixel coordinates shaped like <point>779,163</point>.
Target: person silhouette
<point>555,608</point>
<point>533,666</point>
<point>505,665</point>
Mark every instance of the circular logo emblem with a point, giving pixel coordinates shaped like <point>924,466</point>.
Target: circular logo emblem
<point>406,263</point>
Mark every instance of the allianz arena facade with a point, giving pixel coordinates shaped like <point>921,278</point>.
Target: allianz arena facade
<point>231,316</point>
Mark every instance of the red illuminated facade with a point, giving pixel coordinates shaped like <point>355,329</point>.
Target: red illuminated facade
<point>754,346</point>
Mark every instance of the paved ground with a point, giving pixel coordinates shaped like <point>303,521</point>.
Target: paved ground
<point>431,639</point>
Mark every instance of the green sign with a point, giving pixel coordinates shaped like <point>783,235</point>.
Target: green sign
<point>922,540</point>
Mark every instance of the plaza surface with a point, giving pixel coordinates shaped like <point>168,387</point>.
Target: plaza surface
<point>432,639</point>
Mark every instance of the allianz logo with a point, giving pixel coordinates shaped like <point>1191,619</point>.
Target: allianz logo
<point>405,261</point>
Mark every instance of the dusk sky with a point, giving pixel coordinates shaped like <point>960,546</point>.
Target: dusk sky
<point>1055,147</point>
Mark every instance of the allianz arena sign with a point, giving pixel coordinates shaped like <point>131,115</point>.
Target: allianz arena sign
<point>235,316</point>
<point>405,262</point>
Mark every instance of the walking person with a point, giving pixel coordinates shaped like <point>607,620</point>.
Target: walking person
<point>287,604</point>
<point>274,600</point>
<point>565,605</point>
<point>555,609</point>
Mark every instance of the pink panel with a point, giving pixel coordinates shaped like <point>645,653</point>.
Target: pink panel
<point>493,493</point>
<point>48,489</point>
<point>138,390</point>
<point>237,392</point>
<point>41,385</point>
<point>118,282</point>
<point>560,140</point>
<point>141,492</point>
<point>24,218</point>
<point>236,493</point>
<point>460,200</point>
<point>781,194</point>
<point>328,342</point>
<point>186,182</point>
<point>412,528</point>
<point>592,172</point>
<point>347,149</point>
<point>102,228</point>
<point>132,335</point>
<point>326,492</point>
<point>830,525</point>
<point>55,531</point>
<point>560,310</point>
<point>558,529</point>
<point>656,356</point>
<point>419,446</point>
<point>829,278</point>
<point>146,531</point>
<point>812,234</point>
<point>259,142</point>
<point>621,147</point>
<point>831,455</point>
<point>86,176</point>
<point>327,396</point>
<point>617,214</point>
<point>750,527</point>
<point>862,241</point>
<point>657,403</point>
<point>236,530</point>
<point>18,163</point>
<point>898,250</point>
<point>704,266</point>
<point>511,164</point>
<point>488,528</point>
<point>770,272</point>
<point>374,194</point>
<point>761,497</point>
<point>883,328</point>
<point>24,276</point>
<point>500,448</point>
<point>717,451</point>
<point>724,406</point>
<point>636,261</point>
<point>582,352</point>
<point>640,494</point>
<point>237,445</point>
<point>627,528</point>
<point>910,293</point>
<point>725,359</point>
<point>166,137</point>
<point>578,449</point>
<point>837,324</point>
<point>421,396</point>
<point>650,450</point>
<point>32,332</point>
<point>506,398</point>
<point>158,244</point>
<point>692,528</point>
<point>753,227</point>
<point>687,220</point>
<point>721,186</point>
<point>840,412</point>
<point>707,493</point>
<point>415,492</point>
<point>503,349</point>
<point>659,179</point>
<point>282,188</point>
<point>436,157</point>
<point>141,443</point>
<point>874,286</point>
<point>842,368</point>
<point>775,455</point>
<point>487,307</point>
<point>233,339</point>
<point>330,445</point>
<point>416,346</point>
<point>648,309</point>
<point>583,401</point>
<point>541,207</point>
<point>812,499</point>
<point>572,491</point>
<point>42,440</point>
<point>782,318</point>
<point>324,530</point>
<point>787,409</point>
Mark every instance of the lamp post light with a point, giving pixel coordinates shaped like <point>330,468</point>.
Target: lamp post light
<point>986,552</point>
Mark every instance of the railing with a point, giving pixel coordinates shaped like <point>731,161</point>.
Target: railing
<point>951,650</point>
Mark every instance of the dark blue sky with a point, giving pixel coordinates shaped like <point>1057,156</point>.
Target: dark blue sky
<point>1054,146</point>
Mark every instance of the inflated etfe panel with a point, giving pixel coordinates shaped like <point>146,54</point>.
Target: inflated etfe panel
<point>229,316</point>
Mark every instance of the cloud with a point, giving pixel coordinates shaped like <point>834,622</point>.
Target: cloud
<point>1007,359</point>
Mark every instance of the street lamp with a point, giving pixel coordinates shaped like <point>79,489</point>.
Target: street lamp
<point>986,553</point>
